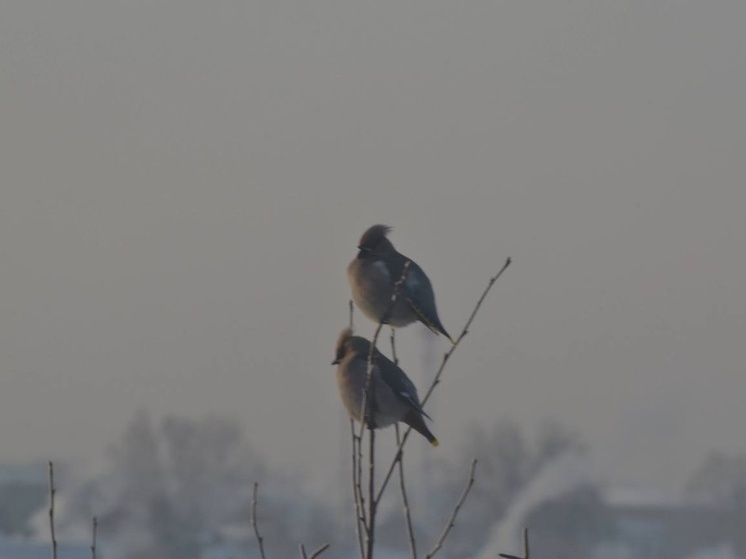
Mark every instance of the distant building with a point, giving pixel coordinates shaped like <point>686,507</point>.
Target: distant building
<point>25,549</point>
<point>631,525</point>
<point>23,490</point>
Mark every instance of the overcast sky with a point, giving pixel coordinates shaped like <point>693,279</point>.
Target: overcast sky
<point>184,183</point>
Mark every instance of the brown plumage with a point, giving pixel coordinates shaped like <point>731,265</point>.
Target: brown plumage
<point>392,395</point>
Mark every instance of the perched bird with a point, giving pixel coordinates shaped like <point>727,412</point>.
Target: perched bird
<point>392,396</point>
<point>375,271</point>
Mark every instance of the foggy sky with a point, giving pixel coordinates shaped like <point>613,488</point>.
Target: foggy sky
<point>183,184</point>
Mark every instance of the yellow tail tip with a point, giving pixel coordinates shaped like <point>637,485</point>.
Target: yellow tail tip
<point>434,442</point>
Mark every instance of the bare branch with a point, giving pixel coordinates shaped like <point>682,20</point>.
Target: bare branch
<point>359,468</point>
<point>394,358</point>
<point>319,551</point>
<point>436,380</point>
<point>370,535</point>
<point>301,547</point>
<point>402,486</point>
<point>397,459</point>
<point>253,521</point>
<point>465,330</point>
<point>52,492</point>
<point>452,520</point>
<point>493,279</point>
<point>357,490</point>
<point>94,530</point>
<point>525,548</point>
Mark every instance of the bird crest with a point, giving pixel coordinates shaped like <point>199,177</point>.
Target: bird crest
<point>374,235</point>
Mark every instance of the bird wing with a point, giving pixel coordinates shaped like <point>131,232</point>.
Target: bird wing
<point>399,383</point>
<point>421,299</point>
<point>422,316</point>
<point>418,292</point>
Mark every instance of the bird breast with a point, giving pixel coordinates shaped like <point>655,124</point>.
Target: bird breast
<point>352,377</point>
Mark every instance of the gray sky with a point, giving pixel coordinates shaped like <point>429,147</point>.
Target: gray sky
<point>183,184</point>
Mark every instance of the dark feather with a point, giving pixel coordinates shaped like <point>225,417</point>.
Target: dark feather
<point>374,235</point>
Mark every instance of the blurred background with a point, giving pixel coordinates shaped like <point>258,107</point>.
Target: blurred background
<point>184,183</point>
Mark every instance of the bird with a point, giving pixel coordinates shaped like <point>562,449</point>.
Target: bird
<point>372,275</point>
<point>392,396</point>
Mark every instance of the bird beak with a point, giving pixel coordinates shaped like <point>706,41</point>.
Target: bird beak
<point>335,362</point>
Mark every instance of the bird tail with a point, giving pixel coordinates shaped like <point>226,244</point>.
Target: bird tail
<point>432,323</point>
<point>415,421</point>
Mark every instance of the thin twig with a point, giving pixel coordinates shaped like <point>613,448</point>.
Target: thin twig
<point>465,330</point>
<point>302,552</point>
<point>363,513</point>
<point>319,551</point>
<point>402,485</point>
<point>94,530</point>
<point>253,521</point>
<point>436,380</point>
<point>525,548</point>
<point>394,358</point>
<point>52,492</point>
<point>357,464</point>
<point>452,520</point>
<point>357,443</point>
<point>405,500</point>
<point>370,535</point>
<point>357,490</point>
